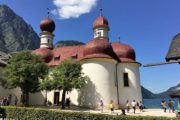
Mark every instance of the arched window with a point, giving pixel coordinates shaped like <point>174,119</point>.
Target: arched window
<point>99,34</point>
<point>126,80</point>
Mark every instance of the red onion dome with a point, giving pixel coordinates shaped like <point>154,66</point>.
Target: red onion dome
<point>123,51</point>
<point>101,22</point>
<point>47,25</point>
<point>98,48</point>
<point>45,53</point>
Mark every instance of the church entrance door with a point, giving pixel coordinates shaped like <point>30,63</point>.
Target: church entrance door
<point>56,98</point>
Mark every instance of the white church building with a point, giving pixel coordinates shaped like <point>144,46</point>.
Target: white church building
<point>111,67</point>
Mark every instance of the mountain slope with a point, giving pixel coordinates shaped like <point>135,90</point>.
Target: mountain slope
<point>68,43</point>
<point>146,94</point>
<point>166,93</point>
<point>15,33</point>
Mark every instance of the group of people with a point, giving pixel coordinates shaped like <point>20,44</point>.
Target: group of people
<point>134,105</point>
<point>111,106</point>
<point>169,105</point>
<point>6,101</point>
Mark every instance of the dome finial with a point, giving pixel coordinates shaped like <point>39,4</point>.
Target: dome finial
<point>48,12</point>
<point>101,11</point>
<point>100,6</point>
<point>119,39</point>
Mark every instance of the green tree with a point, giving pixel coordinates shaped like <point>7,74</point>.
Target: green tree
<point>24,70</point>
<point>66,77</point>
<point>47,85</point>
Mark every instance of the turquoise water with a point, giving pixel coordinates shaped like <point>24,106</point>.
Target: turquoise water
<point>156,103</point>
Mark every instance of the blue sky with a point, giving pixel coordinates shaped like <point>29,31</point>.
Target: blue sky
<point>147,25</point>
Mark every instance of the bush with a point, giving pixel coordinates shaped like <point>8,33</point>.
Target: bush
<point>2,113</point>
<point>19,113</point>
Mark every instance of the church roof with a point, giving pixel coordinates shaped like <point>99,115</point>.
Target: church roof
<point>93,49</point>
<point>98,47</point>
<point>101,21</point>
<point>47,25</point>
<point>62,53</point>
<point>124,51</point>
<point>2,63</point>
<point>174,49</point>
<point>45,53</point>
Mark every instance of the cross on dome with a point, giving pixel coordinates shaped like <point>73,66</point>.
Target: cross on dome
<point>119,39</point>
<point>48,12</point>
<point>101,11</point>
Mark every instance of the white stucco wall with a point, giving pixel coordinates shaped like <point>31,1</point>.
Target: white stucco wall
<point>133,92</point>
<point>4,92</point>
<point>51,94</point>
<point>101,83</point>
<point>74,96</point>
<point>37,98</point>
<point>34,99</point>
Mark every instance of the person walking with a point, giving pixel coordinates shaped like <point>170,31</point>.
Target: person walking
<point>101,105</point>
<point>173,103</point>
<point>4,101</point>
<point>141,106</point>
<point>111,105</point>
<point>1,101</point>
<point>170,105</point>
<point>127,106</point>
<point>134,105</point>
<point>137,105</point>
<point>68,102</point>
<point>9,99</point>
<point>15,100</point>
<point>164,106</point>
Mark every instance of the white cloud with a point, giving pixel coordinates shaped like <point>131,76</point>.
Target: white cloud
<point>72,8</point>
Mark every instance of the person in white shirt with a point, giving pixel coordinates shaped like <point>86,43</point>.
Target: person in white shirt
<point>134,105</point>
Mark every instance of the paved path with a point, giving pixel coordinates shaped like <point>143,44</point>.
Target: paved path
<point>146,112</point>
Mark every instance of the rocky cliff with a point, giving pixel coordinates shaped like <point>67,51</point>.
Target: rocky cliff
<point>15,33</point>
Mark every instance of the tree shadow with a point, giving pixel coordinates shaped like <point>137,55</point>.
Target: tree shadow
<point>37,98</point>
<point>88,96</point>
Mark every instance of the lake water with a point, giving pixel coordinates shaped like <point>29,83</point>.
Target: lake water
<point>156,103</point>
